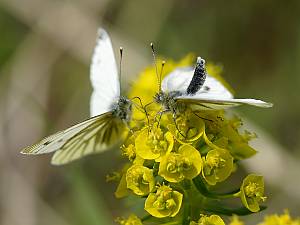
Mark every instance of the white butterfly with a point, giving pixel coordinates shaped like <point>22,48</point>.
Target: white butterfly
<point>110,113</point>
<point>195,88</point>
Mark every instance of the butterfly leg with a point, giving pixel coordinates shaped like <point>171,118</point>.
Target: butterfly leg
<point>130,128</point>
<point>160,113</point>
<point>144,108</point>
<point>202,117</point>
<point>176,125</point>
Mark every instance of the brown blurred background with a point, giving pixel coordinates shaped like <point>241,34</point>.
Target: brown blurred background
<point>45,51</point>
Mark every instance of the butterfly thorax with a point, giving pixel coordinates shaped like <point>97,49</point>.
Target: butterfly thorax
<point>168,101</point>
<point>123,109</point>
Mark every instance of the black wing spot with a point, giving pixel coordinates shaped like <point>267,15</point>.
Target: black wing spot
<point>47,143</point>
<point>206,88</point>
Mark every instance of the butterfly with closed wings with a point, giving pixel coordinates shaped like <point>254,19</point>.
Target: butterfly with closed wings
<point>110,113</point>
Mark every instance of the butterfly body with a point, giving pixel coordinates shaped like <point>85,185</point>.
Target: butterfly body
<point>123,109</point>
<point>198,77</point>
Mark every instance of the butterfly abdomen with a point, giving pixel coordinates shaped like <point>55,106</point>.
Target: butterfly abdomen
<point>198,77</point>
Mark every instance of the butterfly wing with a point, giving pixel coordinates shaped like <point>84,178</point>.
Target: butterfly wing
<point>104,76</point>
<point>212,95</point>
<point>99,136</point>
<point>215,104</point>
<point>178,80</point>
<point>94,135</point>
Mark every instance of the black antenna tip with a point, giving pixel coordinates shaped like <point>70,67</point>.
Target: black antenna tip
<point>121,50</point>
<point>163,62</point>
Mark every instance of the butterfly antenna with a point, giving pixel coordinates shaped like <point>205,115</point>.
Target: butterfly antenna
<point>155,64</point>
<point>161,72</point>
<point>120,65</point>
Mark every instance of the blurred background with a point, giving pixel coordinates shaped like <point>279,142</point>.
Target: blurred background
<point>45,51</point>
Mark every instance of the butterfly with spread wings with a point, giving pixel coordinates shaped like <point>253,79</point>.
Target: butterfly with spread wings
<point>194,88</point>
<point>110,113</point>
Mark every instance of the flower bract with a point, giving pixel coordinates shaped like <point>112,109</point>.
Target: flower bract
<point>252,192</point>
<point>217,166</point>
<point>184,164</point>
<point>140,179</point>
<point>164,203</point>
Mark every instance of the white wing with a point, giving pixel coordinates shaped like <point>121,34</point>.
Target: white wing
<point>94,135</point>
<point>212,95</point>
<point>178,80</point>
<point>104,76</point>
<point>57,140</point>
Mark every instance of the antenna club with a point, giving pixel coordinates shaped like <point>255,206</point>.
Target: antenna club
<point>163,62</point>
<point>152,47</point>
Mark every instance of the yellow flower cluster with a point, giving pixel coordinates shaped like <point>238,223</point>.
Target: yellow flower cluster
<point>284,219</point>
<point>175,161</point>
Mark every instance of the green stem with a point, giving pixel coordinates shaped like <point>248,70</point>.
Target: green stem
<point>242,211</point>
<point>146,218</point>
<point>186,211</point>
<point>201,187</point>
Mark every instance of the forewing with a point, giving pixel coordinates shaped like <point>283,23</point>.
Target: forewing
<point>57,140</point>
<point>104,76</point>
<point>97,137</point>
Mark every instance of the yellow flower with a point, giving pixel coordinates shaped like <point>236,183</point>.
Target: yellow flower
<point>217,166</point>
<point>153,144</point>
<point>252,192</point>
<point>164,203</point>
<point>131,220</point>
<point>122,190</point>
<point>209,220</point>
<point>129,151</point>
<point>236,221</point>
<point>283,219</point>
<point>186,164</point>
<point>190,128</point>
<point>226,136</point>
<point>128,148</point>
<point>140,179</point>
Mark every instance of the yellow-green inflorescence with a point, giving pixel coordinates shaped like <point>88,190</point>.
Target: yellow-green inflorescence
<point>208,220</point>
<point>252,192</point>
<point>165,202</point>
<point>186,163</point>
<point>176,166</point>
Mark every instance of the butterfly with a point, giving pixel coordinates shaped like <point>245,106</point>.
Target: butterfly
<point>194,88</point>
<point>110,113</point>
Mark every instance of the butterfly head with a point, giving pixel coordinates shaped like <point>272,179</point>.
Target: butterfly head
<point>167,100</point>
<point>123,109</point>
